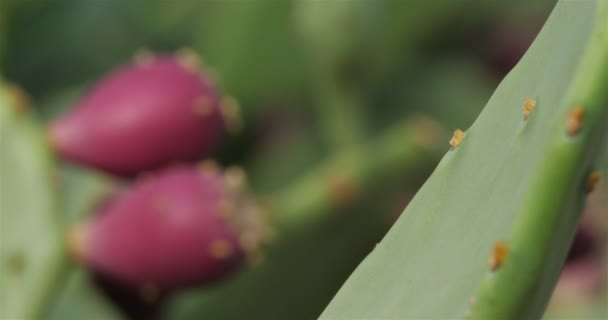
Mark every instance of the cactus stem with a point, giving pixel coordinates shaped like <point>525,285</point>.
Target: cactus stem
<point>574,122</point>
<point>143,58</point>
<point>220,249</point>
<point>149,293</point>
<point>593,180</point>
<point>499,255</point>
<point>189,59</point>
<point>528,107</point>
<point>456,139</point>
<point>203,106</point>
<point>231,112</point>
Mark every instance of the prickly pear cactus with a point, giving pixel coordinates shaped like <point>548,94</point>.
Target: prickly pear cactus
<point>201,218</point>
<point>157,110</point>
<point>486,236</point>
<point>31,249</point>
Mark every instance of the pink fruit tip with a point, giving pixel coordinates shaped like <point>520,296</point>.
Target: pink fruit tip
<point>180,227</point>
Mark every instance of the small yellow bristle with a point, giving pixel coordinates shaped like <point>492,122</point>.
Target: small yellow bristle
<point>575,119</point>
<point>77,241</point>
<point>456,138</point>
<point>189,59</point>
<point>226,210</point>
<point>220,249</point>
<point>143,58</point>
<point>203,106</point>
<point>19,100</point>
<point>232,114</point>
<point>249,241</point>
<point>499,255</point>
<point>15,263</point>
<point>209,166</point>
<point>529,105</point>
<point>472,302</point>
<point>426,132</point>
<point>342,190</point>
<point>235,178</point>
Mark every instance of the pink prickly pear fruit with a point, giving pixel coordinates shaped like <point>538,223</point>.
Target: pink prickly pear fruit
<point>143,116</point>
<point>181,227</point>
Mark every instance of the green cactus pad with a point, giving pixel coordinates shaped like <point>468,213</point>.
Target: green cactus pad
<point>31,249</point>
<point>513,181</point>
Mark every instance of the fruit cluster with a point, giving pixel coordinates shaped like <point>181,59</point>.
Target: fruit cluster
<point>180,223</point>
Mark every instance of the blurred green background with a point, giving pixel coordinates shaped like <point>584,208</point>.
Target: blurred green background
<point>320,83</point>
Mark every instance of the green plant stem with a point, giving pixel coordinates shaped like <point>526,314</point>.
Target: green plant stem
<point>402,150</point>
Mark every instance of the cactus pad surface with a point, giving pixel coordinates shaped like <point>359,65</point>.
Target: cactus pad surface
<point>486,236</point>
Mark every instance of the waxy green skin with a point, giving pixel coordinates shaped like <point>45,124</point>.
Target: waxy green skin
<point>521,182</point>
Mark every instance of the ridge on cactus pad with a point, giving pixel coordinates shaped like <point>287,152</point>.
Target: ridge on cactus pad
<point>487,235</point>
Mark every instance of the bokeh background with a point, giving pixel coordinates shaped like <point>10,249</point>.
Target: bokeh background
<point>318,82</point>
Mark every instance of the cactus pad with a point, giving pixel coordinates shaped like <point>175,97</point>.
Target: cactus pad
<point>486,236</point>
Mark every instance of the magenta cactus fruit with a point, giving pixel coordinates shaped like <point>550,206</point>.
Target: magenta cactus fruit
<point>147,114</point>
<point>181,227</point>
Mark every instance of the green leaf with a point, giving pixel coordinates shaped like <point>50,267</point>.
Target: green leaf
<point>521,182</point>
<point>31,244</point>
